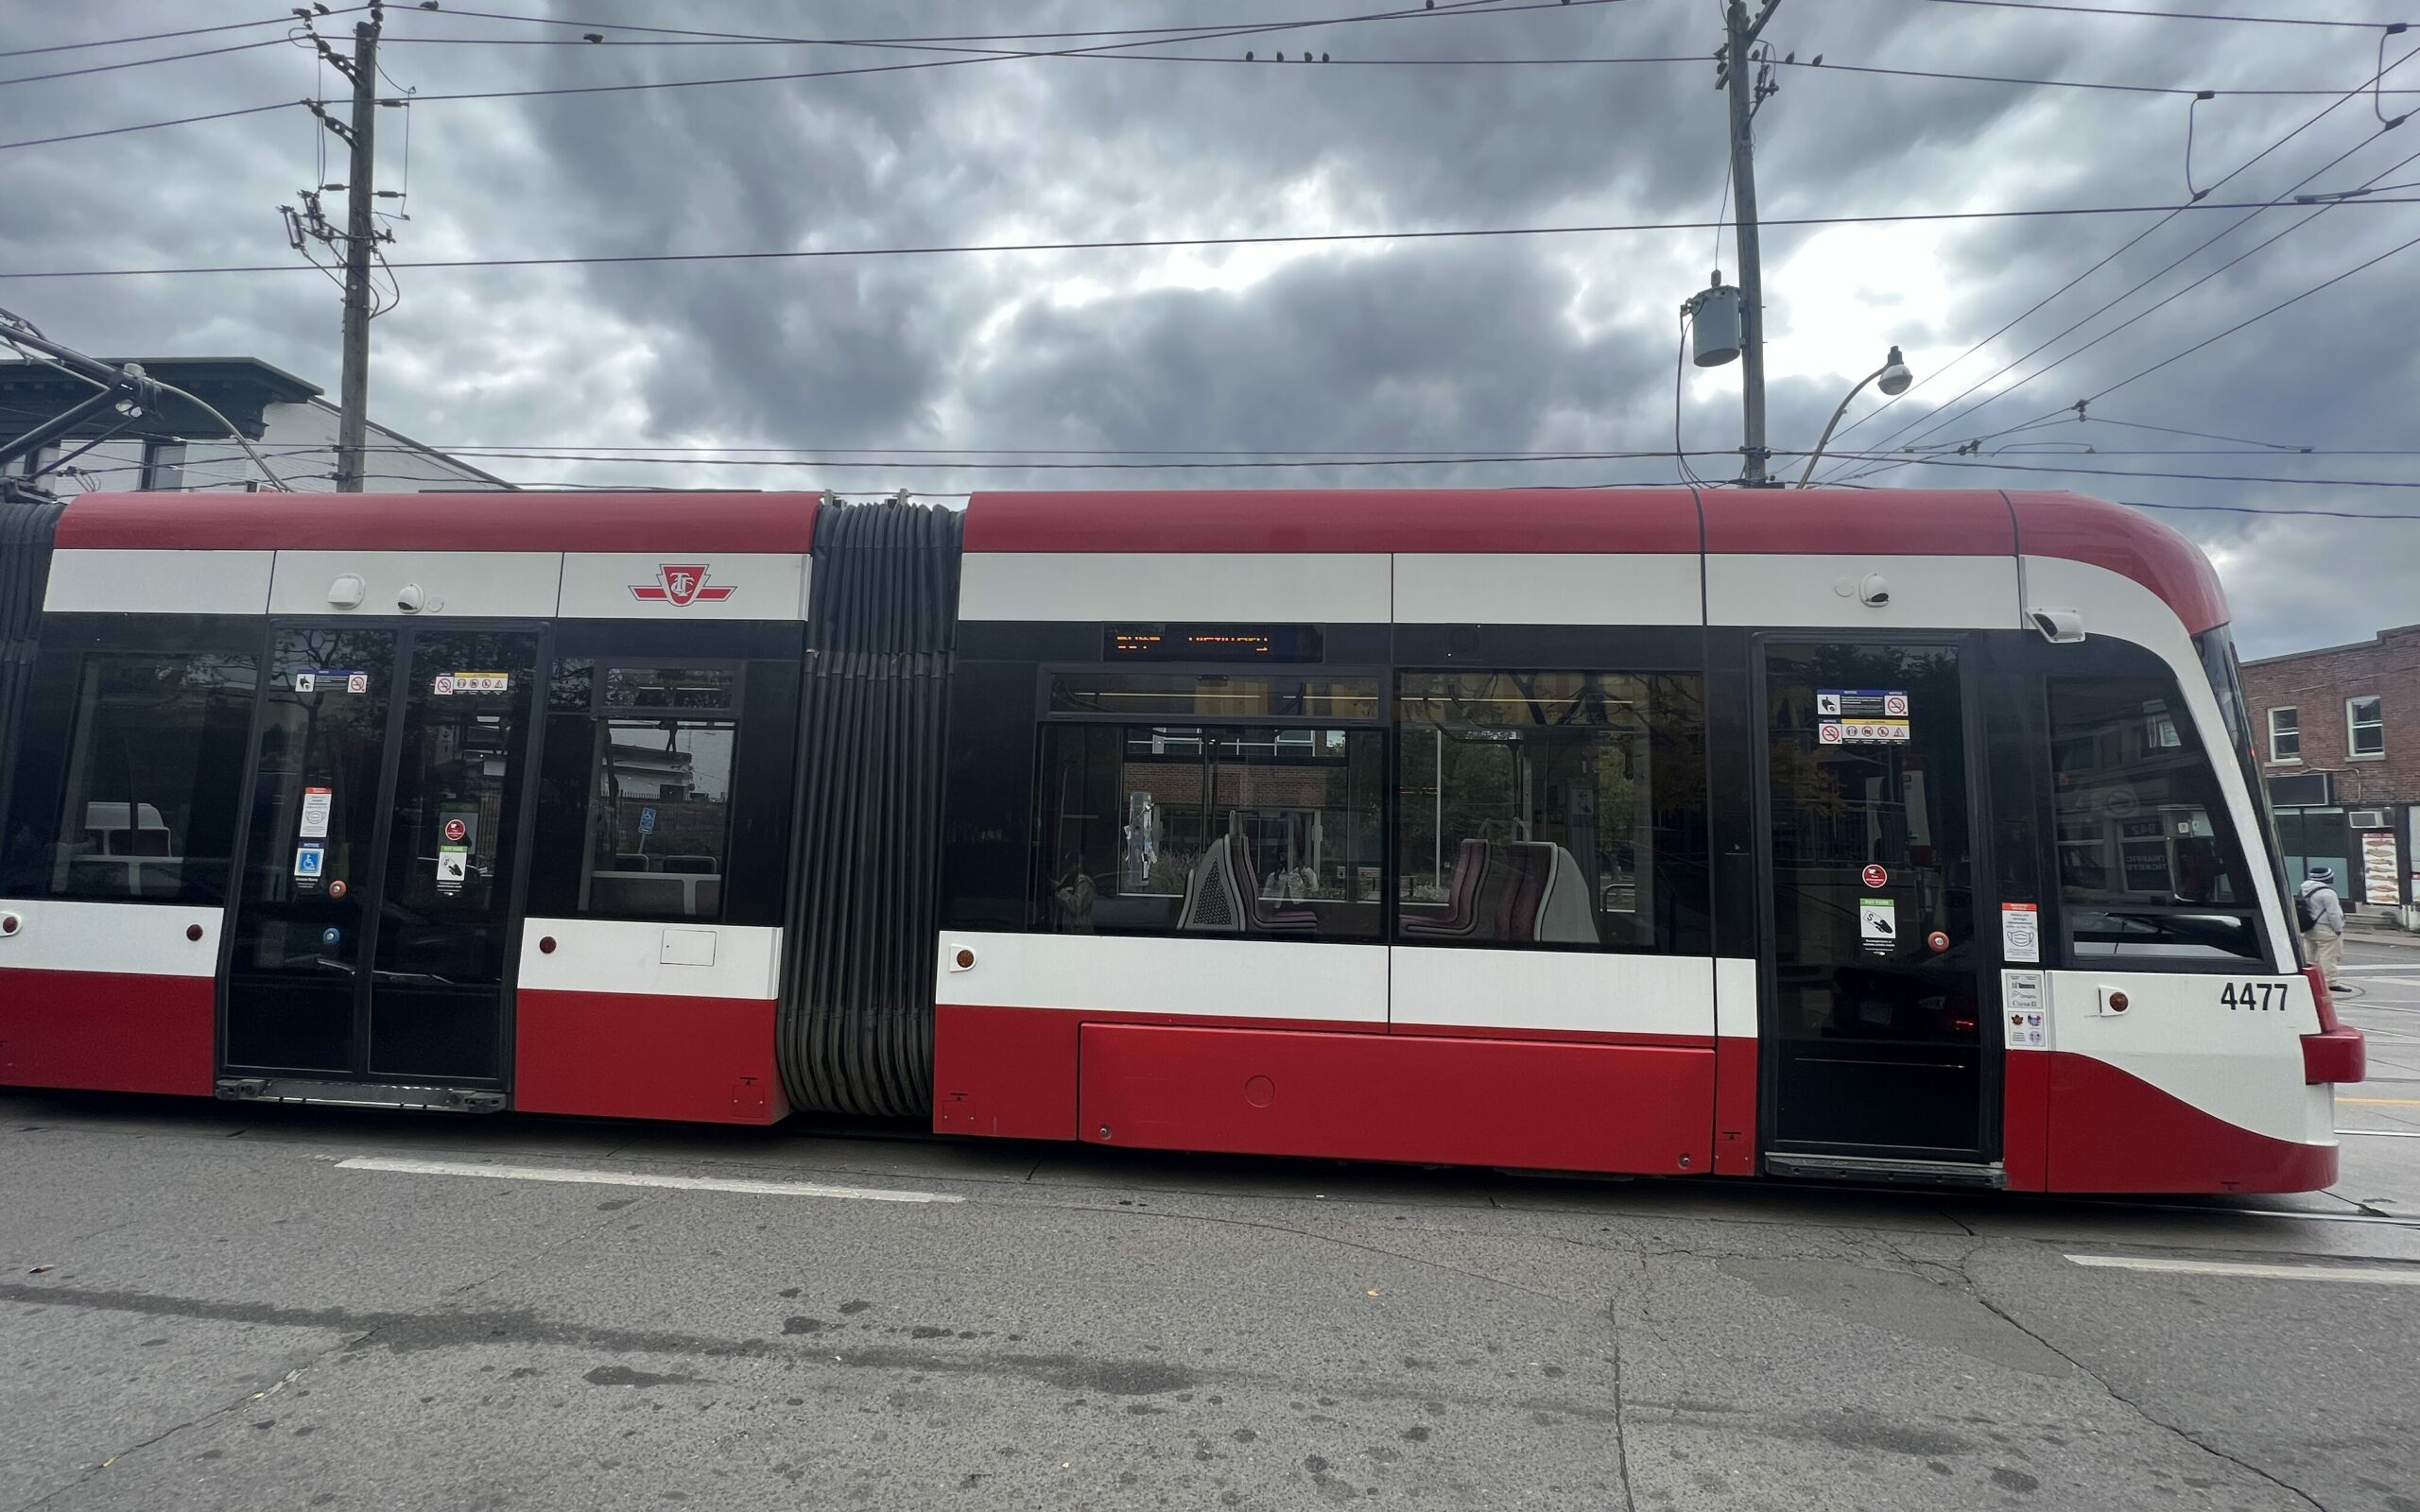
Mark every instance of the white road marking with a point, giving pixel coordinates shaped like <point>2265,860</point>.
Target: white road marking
<point>2375,965</point>
<point>2392,981</point>
<point>2374,1275</point>
<point>2385,1133</point>
<point>637,1179</point>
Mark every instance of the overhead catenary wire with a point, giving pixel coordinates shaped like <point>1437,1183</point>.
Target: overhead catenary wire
<point>2054,415</point>
<point>1155,243</point>
<point>1937,420</point>
<point>2165,15</point>
<point>2346,99</point>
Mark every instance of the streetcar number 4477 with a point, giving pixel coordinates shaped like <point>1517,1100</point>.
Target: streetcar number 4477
<point>2257,996</point>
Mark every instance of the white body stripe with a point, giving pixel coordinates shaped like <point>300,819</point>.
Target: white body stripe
<point>2241,1065</point>
<point>158,582</point>
<point>1734,998</point>
<point>1485,588</point>
<point>650,960</point>
<point>1223,977</point>
<point>1822,592</point>
<point>135,939</point>
<point>1583,991</point>
<point>1288,586</point>
<point>764,586</point>
<point>454,584</point>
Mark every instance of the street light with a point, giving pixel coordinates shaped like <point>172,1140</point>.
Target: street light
<point>1895,379</point>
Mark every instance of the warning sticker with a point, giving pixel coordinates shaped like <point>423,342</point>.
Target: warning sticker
<point>310,861</point>
<point>447,684</point>
<point>328,679</point>
<point>1877,925</point>
<point>453,867</point>
<point>2021,933</point>
<point>1862,732</point>
<point>1861,703</point>
<point>317,802</point>
<point>2022,1012</point>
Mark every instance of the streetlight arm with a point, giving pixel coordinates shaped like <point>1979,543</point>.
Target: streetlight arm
<point>1818,454</point>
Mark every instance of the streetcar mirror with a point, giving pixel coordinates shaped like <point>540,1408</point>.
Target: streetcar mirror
<point>2060,627</point>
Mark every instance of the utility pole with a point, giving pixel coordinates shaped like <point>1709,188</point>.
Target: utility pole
<point>352,420</point>
<point>1748,89</point>
<point>358,241</point>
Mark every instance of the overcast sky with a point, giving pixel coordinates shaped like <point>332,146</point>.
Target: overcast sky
<point>1543,343</point>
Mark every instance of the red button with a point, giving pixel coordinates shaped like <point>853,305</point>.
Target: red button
<point>546,944</point>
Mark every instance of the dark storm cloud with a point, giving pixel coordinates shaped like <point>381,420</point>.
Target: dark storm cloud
<point>1546,342</point>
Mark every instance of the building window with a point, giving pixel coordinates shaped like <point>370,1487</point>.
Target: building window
<point>2285,735</point>
<point>2364,727</point>
<point>1549,809</point>
<point>163,465</point>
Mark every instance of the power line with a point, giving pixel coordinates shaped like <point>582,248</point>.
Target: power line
<point>145,63</point>
<point>2170,15</point>
<point>1430,11</point>
<point>1166,33</point>
<point>149,125</point>
<point>1564,61</point>
<point>1146,244</point>
<point>283,18</point>
<point>2011,324</point>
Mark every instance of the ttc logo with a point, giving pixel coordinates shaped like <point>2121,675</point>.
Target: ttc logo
<point>681,586</point>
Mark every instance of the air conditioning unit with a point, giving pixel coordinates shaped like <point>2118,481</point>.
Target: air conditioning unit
<point>2368,819</point>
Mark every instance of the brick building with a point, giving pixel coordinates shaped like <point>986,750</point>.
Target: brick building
<point>2339,734</point>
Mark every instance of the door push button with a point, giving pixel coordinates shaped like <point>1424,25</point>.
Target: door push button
<point>10,924</point>
<point>2113,1002</point>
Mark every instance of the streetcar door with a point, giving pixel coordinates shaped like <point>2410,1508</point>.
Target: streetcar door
<point>382,861</point>
<point>1874,993</point>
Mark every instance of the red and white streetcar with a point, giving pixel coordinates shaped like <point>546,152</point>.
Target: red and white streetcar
<point>1868,835</point>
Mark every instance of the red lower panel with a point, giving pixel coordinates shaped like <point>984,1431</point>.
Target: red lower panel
<point>616,1055</point>
<point>2025,1111</point>
<point>1734,1106</point>
<point>2110,1131</point>
<point>109,1033</point>
<point>1399,1097</point>
<point>1011,1073</point>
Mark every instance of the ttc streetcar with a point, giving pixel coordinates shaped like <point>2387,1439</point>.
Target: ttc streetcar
<point>1873,836</point>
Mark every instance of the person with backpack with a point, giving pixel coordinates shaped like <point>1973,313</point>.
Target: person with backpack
<point>2321,916</point>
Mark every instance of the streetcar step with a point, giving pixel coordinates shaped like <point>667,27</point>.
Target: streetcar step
<point>1886,1168</point>
<point>358,1095</point>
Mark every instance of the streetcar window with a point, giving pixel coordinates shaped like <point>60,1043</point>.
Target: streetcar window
<point>143,805</point>
<point>653,800</point>
<point>1272,831</point>
<point>2150,866</point>
<point>659,820</point>
<point>1551,809</point>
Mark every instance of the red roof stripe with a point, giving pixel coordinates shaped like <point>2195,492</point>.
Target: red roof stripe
<point>2128,542</point>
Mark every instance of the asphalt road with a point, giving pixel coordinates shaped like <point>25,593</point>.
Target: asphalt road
<point>206,1306</point>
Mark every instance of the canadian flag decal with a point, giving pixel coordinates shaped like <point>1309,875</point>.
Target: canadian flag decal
<point>681,586</point>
